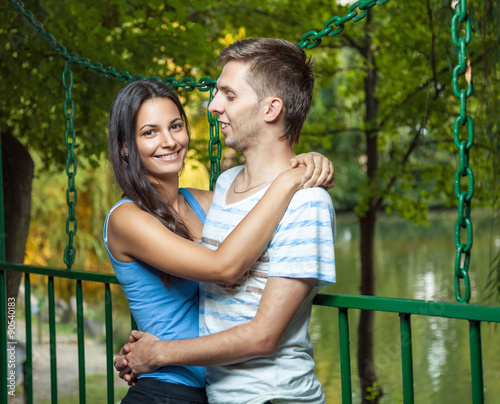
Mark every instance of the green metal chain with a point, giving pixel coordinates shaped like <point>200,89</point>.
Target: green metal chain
<point>187,84</point>
<point>313,38</point>
<point>69,139</point>
<point>214,146</point>
<point>462,259</point>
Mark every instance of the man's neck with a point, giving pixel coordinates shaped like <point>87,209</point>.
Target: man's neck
<point>267,158</point>
<point>261,167</point>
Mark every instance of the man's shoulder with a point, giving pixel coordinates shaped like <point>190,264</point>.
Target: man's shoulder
<point>313,196</point>
<point>231,172</point>
<point>228,175</point>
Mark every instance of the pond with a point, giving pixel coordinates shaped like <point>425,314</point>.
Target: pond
<point>412,262</point>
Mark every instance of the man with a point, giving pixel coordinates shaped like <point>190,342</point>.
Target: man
<point>254,339</point>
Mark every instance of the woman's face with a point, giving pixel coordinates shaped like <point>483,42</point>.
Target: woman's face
<point>161,137</point>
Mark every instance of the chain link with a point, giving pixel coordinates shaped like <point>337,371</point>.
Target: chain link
<point>69,139</point>
<point>463,191</point>
<point>313,38</point>
<point>214,146</point>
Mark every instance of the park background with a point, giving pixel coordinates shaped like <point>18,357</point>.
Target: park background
<point>383,111</point>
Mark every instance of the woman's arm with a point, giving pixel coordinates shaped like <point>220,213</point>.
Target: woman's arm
<point>143,237</point>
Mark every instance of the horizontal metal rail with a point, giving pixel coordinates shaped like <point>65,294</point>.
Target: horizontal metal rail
<point>420,307</point>
<point>61,273</point>
<point>475,314</point>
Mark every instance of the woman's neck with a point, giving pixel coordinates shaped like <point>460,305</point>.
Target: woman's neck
<point>168,189</point>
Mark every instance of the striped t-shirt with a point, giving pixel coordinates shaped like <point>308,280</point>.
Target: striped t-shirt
<point>302,247</point>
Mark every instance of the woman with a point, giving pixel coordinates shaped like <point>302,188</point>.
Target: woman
<point>149,234</point>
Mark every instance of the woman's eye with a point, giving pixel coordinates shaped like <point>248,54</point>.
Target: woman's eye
<point>149,133</point>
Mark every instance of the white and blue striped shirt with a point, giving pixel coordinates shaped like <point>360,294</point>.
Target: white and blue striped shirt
<point>302,247</point>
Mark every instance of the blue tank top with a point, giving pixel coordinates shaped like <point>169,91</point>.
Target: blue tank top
<point>168,312</point>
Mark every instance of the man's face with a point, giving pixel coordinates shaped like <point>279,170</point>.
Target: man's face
<point>237,107</point>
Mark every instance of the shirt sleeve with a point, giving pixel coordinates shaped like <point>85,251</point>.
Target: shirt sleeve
<point>303,245</point>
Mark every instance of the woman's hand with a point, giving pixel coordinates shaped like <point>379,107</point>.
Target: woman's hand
<point>291,179</point>
<point>319,170</point>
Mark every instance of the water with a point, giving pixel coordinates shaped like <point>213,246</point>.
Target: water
<point>413,262</point>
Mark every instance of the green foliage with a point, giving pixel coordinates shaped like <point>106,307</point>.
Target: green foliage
<point>180,40</point>
<point>373,391</point>
<point>416,108</point>
<point>492,287</point>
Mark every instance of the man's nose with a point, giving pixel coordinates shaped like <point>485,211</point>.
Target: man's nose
<point>215,106</point>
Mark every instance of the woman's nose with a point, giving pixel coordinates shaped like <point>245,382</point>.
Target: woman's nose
<point>168,140</point>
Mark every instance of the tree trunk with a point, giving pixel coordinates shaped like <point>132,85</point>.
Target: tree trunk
<point>370,389</point>
<point>366,366</point>
<point>17,168</point>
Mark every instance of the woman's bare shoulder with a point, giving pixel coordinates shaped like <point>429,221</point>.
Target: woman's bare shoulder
<point>125,207</point>
<point>203,197</point>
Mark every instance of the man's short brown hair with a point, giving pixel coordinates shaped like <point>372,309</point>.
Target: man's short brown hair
<point>277,68</point>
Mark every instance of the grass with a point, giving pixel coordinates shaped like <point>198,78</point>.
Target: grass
<point>96,392</point>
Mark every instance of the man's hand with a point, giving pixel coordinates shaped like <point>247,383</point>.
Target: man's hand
<point>319,170</point>
<point>137,357</point>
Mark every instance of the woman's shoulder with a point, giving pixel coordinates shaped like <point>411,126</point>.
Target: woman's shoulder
<point>124,209</point>
<point>203,197</point>
<point>124,204</point>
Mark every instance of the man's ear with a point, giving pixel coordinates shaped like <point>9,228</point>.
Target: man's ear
<point>273,108</point>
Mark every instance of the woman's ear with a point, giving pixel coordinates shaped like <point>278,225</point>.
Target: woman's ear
<point>273,108</point>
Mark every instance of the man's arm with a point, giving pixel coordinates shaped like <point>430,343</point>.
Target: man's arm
<point>281,299</point>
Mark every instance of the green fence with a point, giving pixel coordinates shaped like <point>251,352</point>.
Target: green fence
<point>79,277</point>
<point>474,314</point>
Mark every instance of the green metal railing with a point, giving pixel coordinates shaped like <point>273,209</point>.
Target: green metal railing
<point>406,308</point>
<point>79,277</point>
<point>474,314</point>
